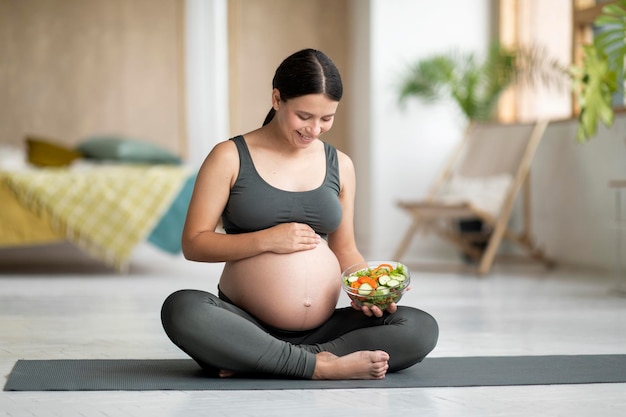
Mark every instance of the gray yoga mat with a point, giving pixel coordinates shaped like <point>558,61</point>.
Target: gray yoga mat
<point>184,374</point>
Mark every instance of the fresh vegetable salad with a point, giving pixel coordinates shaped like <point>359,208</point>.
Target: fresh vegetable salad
<point>379,284</point>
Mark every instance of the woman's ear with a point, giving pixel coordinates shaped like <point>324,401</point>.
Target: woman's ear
<point>275,99</point>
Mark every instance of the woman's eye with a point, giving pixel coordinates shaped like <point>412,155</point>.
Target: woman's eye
<point>323,119</point>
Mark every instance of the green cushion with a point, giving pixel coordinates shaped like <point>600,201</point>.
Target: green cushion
<point>116,148</point>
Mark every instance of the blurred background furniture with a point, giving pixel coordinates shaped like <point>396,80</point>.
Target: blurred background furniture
<point>105,196</point>
<point>105,211</point>
<point>481,183</point>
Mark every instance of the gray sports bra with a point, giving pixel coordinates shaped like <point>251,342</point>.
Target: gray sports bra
<point>254,204</point>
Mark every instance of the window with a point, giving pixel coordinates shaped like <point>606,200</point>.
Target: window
<point>542,24</point>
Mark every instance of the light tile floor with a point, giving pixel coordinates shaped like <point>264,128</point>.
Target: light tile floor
<point>50,310</point>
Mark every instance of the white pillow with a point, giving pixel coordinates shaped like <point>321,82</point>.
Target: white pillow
<point>12,158</point>
<point>484,193</point>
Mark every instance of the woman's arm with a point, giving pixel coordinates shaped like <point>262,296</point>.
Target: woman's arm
<point>342,241</point>
<point>201,242</point>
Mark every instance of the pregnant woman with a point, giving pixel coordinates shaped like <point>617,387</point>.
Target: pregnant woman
<point>286,202</point>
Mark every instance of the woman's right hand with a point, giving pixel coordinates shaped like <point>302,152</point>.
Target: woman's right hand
<point>291,237</point>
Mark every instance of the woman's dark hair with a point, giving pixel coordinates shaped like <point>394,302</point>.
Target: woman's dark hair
<point>308,71</point>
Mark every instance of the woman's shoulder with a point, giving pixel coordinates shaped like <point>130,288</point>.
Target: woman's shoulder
<point>345,162</point>
<point>226,147</point>
<point>222,155</point>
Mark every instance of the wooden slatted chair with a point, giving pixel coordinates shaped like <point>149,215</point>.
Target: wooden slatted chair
<point>481,181</point>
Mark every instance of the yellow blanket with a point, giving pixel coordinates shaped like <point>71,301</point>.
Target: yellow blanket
<point>20,226</point>
<point>106,211</point>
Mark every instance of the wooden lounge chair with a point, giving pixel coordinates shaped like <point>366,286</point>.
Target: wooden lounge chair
<point>481,182</point>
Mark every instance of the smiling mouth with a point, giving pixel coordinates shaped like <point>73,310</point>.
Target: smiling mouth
<point>308,138</point>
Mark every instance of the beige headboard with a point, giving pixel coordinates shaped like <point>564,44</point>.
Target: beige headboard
<point>71,69</point>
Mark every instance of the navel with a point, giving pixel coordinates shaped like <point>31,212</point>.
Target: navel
<point>307,302</point>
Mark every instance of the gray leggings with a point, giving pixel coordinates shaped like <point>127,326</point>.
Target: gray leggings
<point>219,335</point>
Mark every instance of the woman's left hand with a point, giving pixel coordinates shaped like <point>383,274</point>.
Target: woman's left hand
<point>375,311</point>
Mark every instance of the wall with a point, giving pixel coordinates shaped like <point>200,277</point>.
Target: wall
<point>264,32</point>
<point>70,69</point>
<point>360,116</point>
<point>407,147</point>
<point>573,207</point>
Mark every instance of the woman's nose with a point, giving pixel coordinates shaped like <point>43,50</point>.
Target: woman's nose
<point>314,129</point>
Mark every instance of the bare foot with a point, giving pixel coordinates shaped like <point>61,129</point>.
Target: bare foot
<point>357,365</point>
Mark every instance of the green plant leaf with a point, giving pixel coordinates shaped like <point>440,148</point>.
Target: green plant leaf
<point>475,85</point>
<point>596,85</point>
<point>596,79</point>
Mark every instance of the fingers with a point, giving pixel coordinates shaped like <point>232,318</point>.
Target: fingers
<point>393,307</point>
<point>293,237</point>
<point>368,311</point>
<point>299,230</point>
<point>306,231</point>
<point>305,236</point>
<point>375,311</point>
<point>371,311</point>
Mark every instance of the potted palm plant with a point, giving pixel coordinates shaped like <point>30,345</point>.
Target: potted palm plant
<point>601,72</point>
<point>475,85</point>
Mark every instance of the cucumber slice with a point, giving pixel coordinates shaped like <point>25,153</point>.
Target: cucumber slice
<point>383,279</point>
<point>353,278</point>
<point>365,289</point>
<point>393,283</point>
<point>398,277</point>
<point>382,291</point>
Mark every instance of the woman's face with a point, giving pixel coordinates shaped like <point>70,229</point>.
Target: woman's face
<point>304,119</point>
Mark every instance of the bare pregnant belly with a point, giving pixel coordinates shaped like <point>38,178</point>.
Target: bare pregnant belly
<point>295,291</point>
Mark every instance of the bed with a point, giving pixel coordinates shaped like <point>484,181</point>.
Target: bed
<point>104,207</point>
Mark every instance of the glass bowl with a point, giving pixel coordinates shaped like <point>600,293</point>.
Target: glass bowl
<point>376,283</point>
